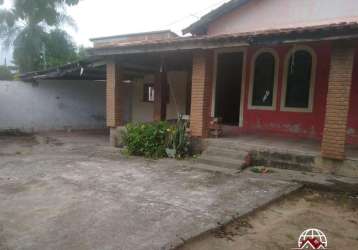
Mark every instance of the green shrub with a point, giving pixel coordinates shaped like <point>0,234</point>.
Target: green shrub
<point>157,139</point>
<point>146,139</point>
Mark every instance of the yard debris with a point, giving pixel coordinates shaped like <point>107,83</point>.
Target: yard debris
<point>261,170</point>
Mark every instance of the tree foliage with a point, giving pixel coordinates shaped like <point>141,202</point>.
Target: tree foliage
<point>33,28</point>
<point>5,73</point>
<point>59,49</point>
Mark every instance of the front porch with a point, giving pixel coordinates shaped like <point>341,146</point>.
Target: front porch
<point>302,91</point>
<point>281,143</point>
<point>282,152</point>
<point>313,110</point>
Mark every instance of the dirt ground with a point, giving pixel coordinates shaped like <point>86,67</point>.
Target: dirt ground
<point>279,225</point>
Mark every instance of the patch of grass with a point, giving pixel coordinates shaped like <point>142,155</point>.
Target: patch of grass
<point>291,237</point>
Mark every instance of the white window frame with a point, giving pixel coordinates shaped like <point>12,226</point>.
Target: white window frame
<point>275,81</point>
<point>151,93</point>
<point>309,109</point>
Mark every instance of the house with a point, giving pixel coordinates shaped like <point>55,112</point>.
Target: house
<point>284,68</point>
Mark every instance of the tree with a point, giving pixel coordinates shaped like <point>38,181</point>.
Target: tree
<point>59,49</point>
<point>32,26</point>
<point>81,53</point>
<point>5,73</point>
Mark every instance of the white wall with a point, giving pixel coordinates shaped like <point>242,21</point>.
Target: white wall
<point>52,105</point>
<point>143,111</point>
<point>274,14</point>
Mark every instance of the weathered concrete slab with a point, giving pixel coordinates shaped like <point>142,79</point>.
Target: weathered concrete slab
<point>75,197</point>
<point>313,180</point>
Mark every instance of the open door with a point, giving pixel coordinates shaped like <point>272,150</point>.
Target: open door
<point>228,87</point>
<point>127,100</point>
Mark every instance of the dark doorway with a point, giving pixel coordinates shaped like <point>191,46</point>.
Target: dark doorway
<point>228,87</point>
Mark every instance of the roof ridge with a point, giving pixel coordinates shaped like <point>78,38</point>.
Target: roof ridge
<point>214,14</point>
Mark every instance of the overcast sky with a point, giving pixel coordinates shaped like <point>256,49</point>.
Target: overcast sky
<point>97,18</point>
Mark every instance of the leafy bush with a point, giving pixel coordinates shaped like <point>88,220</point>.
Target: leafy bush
<point>157,139</point>
<point>146,139</point>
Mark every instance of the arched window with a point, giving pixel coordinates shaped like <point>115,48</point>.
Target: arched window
<point>263,80</point>
<point>298,86</point>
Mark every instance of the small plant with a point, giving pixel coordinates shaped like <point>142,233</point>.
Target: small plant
<point>178,141</point>
<point>146,139</point>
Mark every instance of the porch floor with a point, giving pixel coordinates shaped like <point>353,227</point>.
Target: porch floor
<point>284,145</point>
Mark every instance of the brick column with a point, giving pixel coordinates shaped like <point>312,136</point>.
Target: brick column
<point>201,93</point>
<point>113,106</point>
<point>339,85</point>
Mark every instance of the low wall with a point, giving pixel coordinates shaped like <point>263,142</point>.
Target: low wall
<point>52,105</point>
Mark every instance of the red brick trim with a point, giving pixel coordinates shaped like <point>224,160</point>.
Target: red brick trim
<point>202,75</point>
<point>113,84</point>
<point>339,86</point>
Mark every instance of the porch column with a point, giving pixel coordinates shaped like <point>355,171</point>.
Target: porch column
<point>160,95</point>
<point>339,86</point>
<point>201,93</point>
<point>113,106</point>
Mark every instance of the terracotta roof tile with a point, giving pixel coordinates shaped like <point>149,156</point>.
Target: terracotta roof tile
<point>244,37</point>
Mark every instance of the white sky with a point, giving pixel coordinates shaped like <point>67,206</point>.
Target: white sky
<point>97,18</point>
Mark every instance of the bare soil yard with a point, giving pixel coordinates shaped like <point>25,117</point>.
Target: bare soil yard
<point>279,225</point>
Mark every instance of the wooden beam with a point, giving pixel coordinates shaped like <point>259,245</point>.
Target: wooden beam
<point>188,91</point>
<point>160,94</point>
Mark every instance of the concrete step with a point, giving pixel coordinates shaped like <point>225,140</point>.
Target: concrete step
<point>228,144</point>
<point>261,155</point>
<point>211,168</point>
<point>226,152</point>
<point>284,160</point>
<point>220,161</point>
